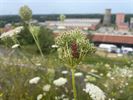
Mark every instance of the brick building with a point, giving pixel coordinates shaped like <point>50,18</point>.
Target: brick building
<point>120,22</point>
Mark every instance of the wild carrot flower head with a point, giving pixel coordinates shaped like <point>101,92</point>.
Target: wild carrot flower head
<point>60,81</point>
<point>73,46</point>
<point>34,80</point>
<point>15,46</point>
<point>12,32</point>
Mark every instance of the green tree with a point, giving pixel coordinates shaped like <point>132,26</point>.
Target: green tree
<point>25,13</point>
<point>46,40</point>
<point>62,18</point>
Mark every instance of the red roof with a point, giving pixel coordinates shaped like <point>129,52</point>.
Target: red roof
<point>113,38</point>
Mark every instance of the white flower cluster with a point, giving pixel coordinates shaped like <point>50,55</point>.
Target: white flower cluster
<point>54,46</point>
<point>15,46</point>
<point>40,96</point>
<point>95,92</point>
<point>62,97</point>
<point>59,82</point>
<point>64,72</point>
<point>46,87</point>
<point>78,74</point>
<point>122,72</point>
<point>12,32</point>
<point>34,80</point>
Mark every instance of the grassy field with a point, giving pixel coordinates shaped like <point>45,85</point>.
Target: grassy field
<point>17,70</point>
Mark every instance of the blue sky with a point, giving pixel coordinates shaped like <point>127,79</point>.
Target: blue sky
<point>66,6</point>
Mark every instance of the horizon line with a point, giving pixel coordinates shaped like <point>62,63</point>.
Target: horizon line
<point>68,14</point>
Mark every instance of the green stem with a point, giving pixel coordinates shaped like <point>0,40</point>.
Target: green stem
<point>37,44</point>
<point>74,85</point>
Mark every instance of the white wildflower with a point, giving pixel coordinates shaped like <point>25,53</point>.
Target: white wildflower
<point>89,78</point>
<point>65,98</point>
<point>78,74</point>
<point>39,97</point>
<point>12,32</point>
<point>15,46</point>
<point>112,78</point>
<point>107,65</point>
<point>106,85</point>
<point>108,74</point>
<point>46,87</point>
<point>85,80</point>
<point>59,82</point>
<point>62,96</point>
<point>121,91</point>
<point>95,92</point>
<point>111,99</point>
<point>34,80</point>
<point>57,97</point>
<point>101,74</point>
<point>93,71</point>
<point>44,94</point>
<point>54,46</point>
<point>126,83</point>
<point>64,72</point>
<point>38,64</point>
<point>123,72</point>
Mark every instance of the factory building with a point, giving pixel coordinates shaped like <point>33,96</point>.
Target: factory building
<point>131,23</point>
<point>107,17</point>
<point>120,22</point>
<point>83,24</point>
<point>120,18</point>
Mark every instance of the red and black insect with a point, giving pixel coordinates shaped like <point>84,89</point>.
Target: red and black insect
<point>74,48</point>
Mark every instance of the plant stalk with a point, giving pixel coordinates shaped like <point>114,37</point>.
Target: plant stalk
<point>74,85</point>
<point>37,44</point>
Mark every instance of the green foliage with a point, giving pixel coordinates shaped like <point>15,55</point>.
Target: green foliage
<point>15,82</point>
<point>25,13</point>
<point>15,78</point>
<point>41,18</point>
<point>46,40</point>
<point>25,37</point>
<point>7,41</point>
<point>40,35</point>
<point>35,31</point>
<point>62,18</point>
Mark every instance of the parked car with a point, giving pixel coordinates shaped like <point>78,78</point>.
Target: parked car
<point>109,47</point>
<point>126,50</point>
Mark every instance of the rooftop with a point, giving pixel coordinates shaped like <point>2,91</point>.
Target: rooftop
<point>122,39</point>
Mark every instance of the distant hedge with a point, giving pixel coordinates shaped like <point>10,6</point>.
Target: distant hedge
<point>41,18</point>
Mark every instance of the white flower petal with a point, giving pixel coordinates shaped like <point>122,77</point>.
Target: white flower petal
<point>59,82</point>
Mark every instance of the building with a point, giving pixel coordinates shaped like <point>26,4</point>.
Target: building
<point>120,22</point>
<point>83,24</point>
<point>120,18</point>
<point>123,26</point>
<point>131,23</point>
<point>126,40</point>
<point>107,17</point>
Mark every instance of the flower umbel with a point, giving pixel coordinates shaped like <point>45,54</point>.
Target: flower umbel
<point>73,46</point>
<point>15,46</point>
<point>46,87</point>
<point>59,82</point>
<point>95,92</point>
<point>34,80</point>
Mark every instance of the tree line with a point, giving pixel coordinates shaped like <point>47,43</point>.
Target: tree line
<point>4,19</point>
